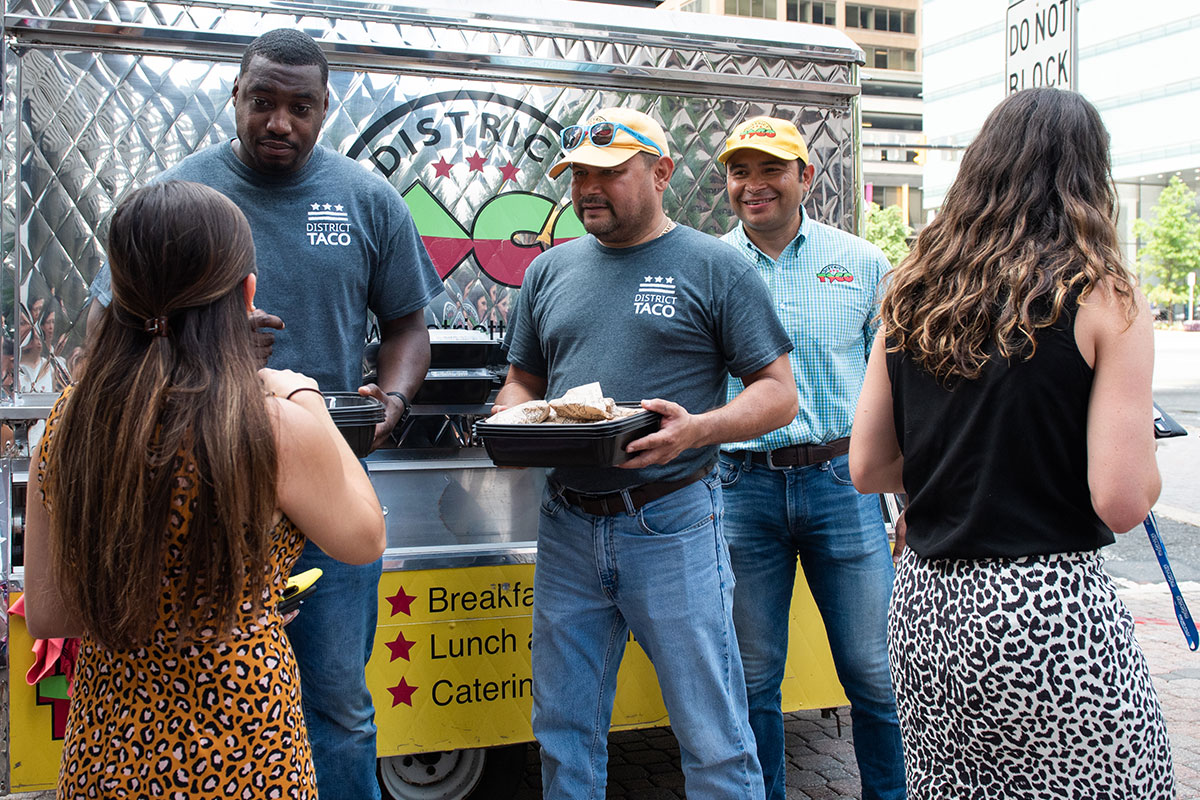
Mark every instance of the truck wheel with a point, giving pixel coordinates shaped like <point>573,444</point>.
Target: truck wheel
<point>489,774</point>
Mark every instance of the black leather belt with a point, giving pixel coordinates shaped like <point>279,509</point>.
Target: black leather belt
<point>609,503</point>
<point>797,455</point>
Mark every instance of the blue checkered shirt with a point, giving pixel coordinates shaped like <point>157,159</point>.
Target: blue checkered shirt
<point>826,286</point>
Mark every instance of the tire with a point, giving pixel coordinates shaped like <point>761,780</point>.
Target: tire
<point>487,774</point>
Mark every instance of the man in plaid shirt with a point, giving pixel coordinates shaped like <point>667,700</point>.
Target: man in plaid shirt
<point>788,493</point>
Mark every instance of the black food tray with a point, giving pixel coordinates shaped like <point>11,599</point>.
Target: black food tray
<point>554,444</point>
<point>449,348</point>
<point>455,386</point>
<point>356,417</point>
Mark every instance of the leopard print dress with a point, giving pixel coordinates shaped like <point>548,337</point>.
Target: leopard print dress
<point>221,720</point>
<point>1021,679</point>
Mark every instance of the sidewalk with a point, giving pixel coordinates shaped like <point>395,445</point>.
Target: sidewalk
<point>644,765</point>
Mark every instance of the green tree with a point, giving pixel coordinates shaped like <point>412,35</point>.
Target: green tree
<point>1170,243</point>
<point>887,230</point>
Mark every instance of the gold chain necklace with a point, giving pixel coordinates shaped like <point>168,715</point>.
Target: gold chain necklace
<point>666,228</point>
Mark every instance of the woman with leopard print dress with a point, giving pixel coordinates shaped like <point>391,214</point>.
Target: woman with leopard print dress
<point>165,512</point>
<point>1008,394</point>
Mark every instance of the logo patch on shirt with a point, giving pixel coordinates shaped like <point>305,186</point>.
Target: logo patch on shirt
<point>834,273</point>
<point>655,296</point>
<point>328,224</point>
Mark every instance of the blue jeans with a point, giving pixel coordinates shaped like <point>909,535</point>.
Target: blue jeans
<point>663,573</point>
<point>814,513</point>
<point>333,635</point>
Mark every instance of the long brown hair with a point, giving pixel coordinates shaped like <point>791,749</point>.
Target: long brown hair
<point>1028,224</point>
<point>169,393</point>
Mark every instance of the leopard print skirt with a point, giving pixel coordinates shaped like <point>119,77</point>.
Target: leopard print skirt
<point>1020,678</point>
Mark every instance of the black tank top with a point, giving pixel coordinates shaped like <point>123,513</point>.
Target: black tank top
<point>997,466</point>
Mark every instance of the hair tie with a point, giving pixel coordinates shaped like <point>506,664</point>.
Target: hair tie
<point>156,326</point>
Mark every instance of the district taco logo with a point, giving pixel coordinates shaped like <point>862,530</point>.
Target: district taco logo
<point>834,273</point>
<point>459,159</point>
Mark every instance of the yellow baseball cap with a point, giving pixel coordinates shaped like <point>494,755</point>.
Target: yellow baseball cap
<point>771,135</point>
<point>626,133</point>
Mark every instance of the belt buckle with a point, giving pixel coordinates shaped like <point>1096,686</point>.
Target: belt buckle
<point>600,501</point>
<point>771,462</point>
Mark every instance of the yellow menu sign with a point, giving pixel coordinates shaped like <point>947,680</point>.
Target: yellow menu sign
<point>450,669</point>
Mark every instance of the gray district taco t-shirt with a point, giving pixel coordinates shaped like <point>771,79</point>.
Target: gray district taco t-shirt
<point>332,240</point>
<point>670,318</point>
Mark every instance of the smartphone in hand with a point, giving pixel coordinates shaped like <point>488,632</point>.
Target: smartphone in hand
<point>298,587</point>
<point>1164,426</point>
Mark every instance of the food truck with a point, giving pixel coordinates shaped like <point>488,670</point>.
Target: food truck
<point>459,106</point>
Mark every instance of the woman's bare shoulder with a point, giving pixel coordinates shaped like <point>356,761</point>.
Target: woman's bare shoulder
<point>1107,314</point>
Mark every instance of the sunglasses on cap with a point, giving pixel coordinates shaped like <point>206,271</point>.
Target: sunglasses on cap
<point>601,134</point>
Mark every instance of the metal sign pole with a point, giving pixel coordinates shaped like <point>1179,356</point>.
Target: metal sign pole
<point>1074,45</point>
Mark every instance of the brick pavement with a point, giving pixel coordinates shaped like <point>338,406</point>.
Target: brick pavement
<point>1176,672</point>
<point>645,764</point>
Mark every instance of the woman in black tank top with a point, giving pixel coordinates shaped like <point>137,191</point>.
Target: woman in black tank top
<point>1008,394</point>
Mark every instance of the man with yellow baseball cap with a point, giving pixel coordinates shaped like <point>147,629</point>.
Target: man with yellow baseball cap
<point>826,286</point>
<point>656,310</point>
<point>609,138</point>
<point>617,200</point>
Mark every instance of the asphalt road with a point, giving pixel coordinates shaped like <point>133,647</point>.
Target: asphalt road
<point>1177,375</point>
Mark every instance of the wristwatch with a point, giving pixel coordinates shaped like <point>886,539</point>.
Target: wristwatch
<point>407,407</point>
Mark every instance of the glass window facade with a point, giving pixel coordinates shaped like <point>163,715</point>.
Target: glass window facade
<point>762,9</point>
<point>814,11</point>
<point>891,58</point>
<point>892,20</point>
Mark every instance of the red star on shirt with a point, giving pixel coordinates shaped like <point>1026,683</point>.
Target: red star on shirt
<point>509,172</point>
<point>402,693</point>
<point>401,602</point>
<point>442,168</point>
<point>476,161</point>
<point>400,647</point>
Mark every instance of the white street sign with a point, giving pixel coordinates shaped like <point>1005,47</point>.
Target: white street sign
<point>1041,45</point>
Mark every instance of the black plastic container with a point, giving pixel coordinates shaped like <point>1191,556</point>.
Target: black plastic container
<point>356,417</point>
<point>450,348</point>
<point>553,444</point>
<point>442,386</point>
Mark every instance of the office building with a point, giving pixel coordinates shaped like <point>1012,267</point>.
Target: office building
<point>1137,63</point>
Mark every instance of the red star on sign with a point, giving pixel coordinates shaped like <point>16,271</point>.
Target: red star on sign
<point>476,161</point>
<point>509,172</point>
<point>400,647</point>
<point>401,602</point>
<point>402,693</point>
<point>442,168</point>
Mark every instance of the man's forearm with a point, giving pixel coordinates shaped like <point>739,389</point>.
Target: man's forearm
<point>762,406</point>
<point>514,393</point>
<point>403,361</point>
<point>520,387</point>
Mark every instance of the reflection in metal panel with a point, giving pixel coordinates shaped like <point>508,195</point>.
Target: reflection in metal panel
<point>452,508</point>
